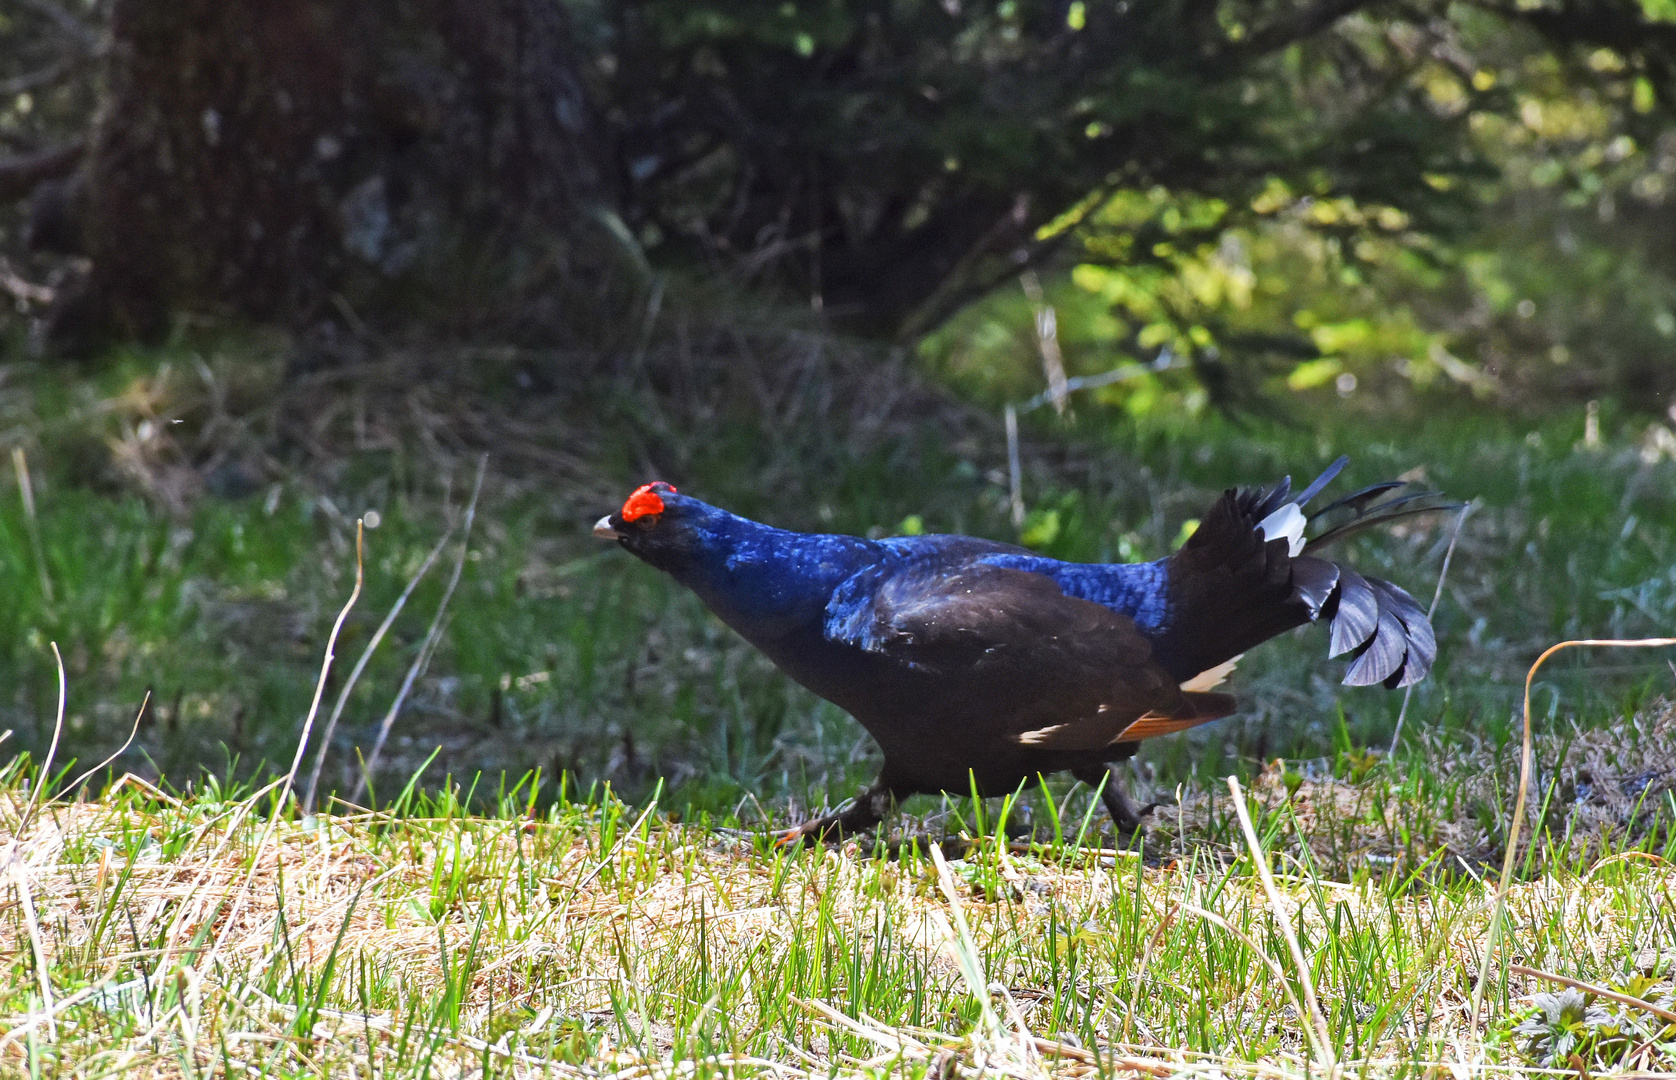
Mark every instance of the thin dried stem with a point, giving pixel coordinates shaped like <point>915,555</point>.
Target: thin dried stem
<point>1437,594</point>
<point>26,492</point>
<point>1321,1036</point>
<point>1591,988</point>
<point>1494,932</point>
<point>126,743</point>
<point>14,861</point>
<point>52,749</point>
<point>302,744</point>
<point>32,925</point>
<point>361,665</point>
<point>432,636</point>
<point>1257,950</point>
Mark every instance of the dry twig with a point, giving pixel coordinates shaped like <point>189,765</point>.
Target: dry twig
<point>432,636</point>
<point>1494,931</point>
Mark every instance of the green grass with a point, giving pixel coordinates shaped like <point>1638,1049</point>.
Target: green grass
<point>179,937</point>
<point>623,911</point>
<point>561,655</point>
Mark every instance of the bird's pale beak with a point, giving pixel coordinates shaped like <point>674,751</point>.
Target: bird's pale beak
<point>604,531</point>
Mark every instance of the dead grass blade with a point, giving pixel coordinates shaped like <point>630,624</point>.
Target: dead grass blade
<point>302,745</point>
<point>1492,934</point>
<point>431,637</point>
<point>1321,1036</point>
<point>52,749</point>
<point>14,858</point>
<point>46,1016</point>
<point>967,956</point>
<point>361,665</point>
<point>43,970</point>
<point>26,491</point>
<point>126,743</point>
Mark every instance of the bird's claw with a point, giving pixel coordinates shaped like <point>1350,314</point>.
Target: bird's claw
<point>807,834</point>
<point>1133,822</point>
<point>857,816</point>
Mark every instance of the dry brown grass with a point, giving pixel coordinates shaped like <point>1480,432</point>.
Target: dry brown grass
<point>671,949</point>
<point>238,415</point>
<point>152,935</point>
<point>1593,792</point>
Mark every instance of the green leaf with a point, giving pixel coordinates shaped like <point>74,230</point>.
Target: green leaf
<point>1659,10</point>
<point>1313,373</point>
<point>1041,529</point>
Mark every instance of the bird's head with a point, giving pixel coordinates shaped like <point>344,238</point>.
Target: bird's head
<point>655,523</point>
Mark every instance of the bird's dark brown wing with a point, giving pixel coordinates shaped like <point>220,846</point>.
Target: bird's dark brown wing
<point>1047,670</point>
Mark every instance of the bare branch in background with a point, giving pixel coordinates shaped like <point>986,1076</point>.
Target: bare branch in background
<point>20,173</point>
<point>23,289</point>
<point>35,80</point>
<point>1047,339</point>
<point>67,24</point>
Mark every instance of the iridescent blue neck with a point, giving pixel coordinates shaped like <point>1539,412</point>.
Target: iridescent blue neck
<point>762,581</point>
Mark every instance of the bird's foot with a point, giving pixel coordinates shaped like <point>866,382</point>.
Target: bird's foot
<point>860,815</point>
<point>811,833</point>
<point>1129,819</point>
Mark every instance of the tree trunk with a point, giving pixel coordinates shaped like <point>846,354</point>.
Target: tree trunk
<point>293,160</point>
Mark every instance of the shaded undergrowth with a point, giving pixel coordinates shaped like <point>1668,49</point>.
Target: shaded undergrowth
<point>193,516</point>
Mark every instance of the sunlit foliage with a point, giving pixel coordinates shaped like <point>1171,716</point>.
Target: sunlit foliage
<point>1532,268</point>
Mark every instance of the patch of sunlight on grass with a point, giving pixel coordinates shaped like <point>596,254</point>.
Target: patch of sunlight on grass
<point>589,936</point>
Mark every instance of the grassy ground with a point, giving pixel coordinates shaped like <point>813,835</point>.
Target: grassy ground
<point>208,936</point>
<point>191,531</point>
<point>204,559</point>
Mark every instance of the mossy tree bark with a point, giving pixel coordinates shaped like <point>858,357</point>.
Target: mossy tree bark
<point>286,161</point>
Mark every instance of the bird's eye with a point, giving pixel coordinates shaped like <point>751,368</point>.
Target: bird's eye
<point>646,522</point>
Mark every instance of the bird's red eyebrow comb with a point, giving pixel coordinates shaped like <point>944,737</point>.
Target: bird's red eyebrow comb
<point>645,500</point>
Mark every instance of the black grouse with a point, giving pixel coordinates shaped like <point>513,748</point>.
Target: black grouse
<point>977,662</point>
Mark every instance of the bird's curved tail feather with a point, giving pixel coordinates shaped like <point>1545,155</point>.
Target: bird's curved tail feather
<point>1234,585</point>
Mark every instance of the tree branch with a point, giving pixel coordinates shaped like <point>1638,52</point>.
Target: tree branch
<point>1301,22</point>
<point>21,172</point>
<point>34,80</point>
<point>1622,27</point>
<point>70,26</point>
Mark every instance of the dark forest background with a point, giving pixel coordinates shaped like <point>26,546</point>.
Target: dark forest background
<point>270,265</point>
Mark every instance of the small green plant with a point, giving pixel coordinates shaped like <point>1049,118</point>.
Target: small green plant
<point>1574,1029</point>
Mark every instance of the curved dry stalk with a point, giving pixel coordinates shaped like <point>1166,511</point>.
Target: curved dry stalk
<point>52,749</point>
<point>361,665</point>
<point>1492,934</point>
<point>302,745</point>
<point>1598,991</point>
<point>135,730</point>
<point>14,861</point>
<point>432,635</point>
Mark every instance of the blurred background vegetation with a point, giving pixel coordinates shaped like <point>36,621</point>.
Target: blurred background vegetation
<point>268,268</point>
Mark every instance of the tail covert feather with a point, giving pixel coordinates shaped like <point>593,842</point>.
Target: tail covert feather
<point>1383,627</point>
<point>1356,615</point>
<point>1250,574</point>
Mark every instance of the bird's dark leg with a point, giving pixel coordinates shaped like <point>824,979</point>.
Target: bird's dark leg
<point>862,814</point>
<point>1128,819</point>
